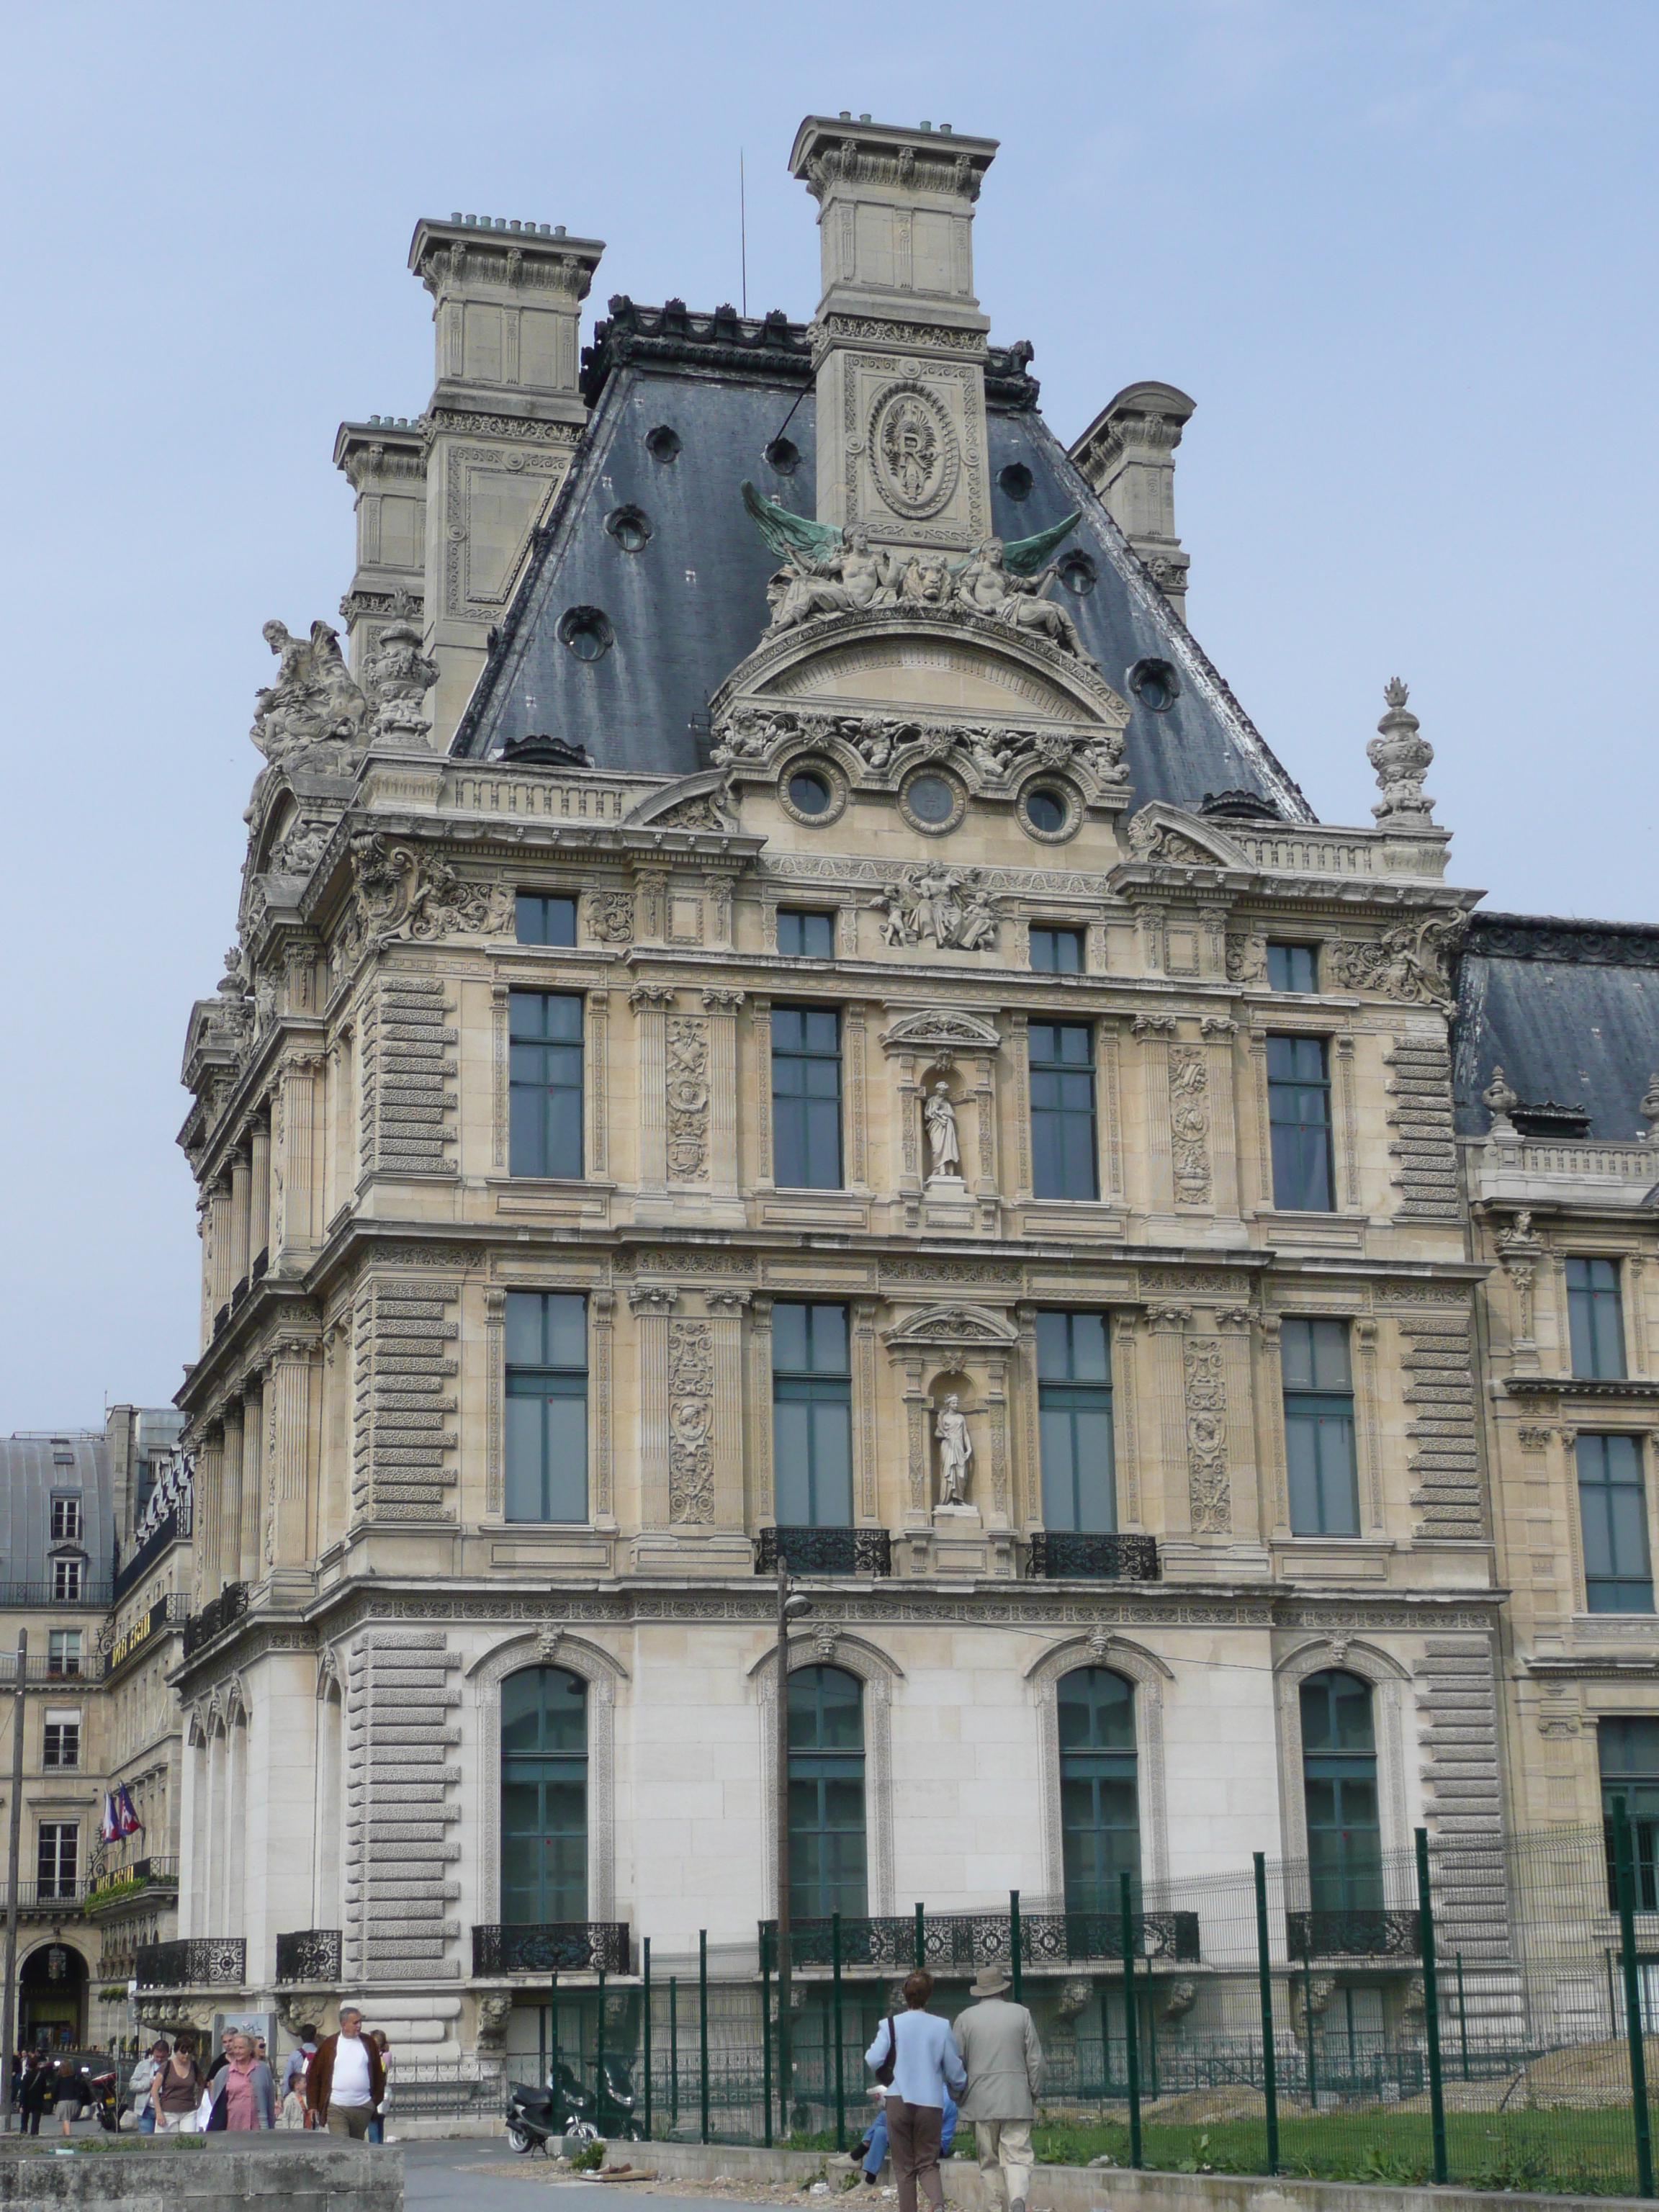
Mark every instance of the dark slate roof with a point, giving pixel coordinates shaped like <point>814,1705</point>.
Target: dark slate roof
<point>33,1469</point>
<point>689,606</point>
<point>1569,1010</point>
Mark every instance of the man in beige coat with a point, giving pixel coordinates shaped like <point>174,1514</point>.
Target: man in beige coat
<point>998,2046</point>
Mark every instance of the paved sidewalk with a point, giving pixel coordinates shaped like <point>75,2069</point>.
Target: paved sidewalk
<point>486,2177</point>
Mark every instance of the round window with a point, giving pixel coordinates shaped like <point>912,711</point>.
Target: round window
<point>1015,481</point>
<point>810,792</point>
<point>1155,684</point>
<point>931,799</point>
<point>783,456</point>
<point>629,527</point>
<point>1047,813</point>
<point>662,443</point>
<point>587,632</point>
<point>1078,573</point>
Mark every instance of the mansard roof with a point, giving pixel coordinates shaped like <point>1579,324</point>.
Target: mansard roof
<point>1569,1010</point>
<point>33,1469</point>
<point>690,605</point>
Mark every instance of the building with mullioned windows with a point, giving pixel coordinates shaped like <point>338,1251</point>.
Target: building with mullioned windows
<point>782,1011</point>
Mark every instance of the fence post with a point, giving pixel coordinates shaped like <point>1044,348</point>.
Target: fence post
<point>646,1977</point>
<point>1265,1969</point>
<point>703,2026</point>
<point>1623,1858</point>
<point>1431,2004</point>
<point>1131,2055</point>
<point>922,1936</point>
<point>599,2059</point>
<point>766,2034</point>
<point>1462,2015</point>
<point>1307,2011</point>
<point>1014,1945</point>
<point>673,2051</point>
<point>841,2060</point>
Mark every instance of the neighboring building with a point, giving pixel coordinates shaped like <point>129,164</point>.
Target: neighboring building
<point>898,1078</point>
<point>64,1502</point>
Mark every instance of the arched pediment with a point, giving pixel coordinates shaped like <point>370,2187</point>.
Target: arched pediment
<point>953,1328</point>
<point>1162,836</point>
<point>941,663</point>
<point>694,802</point>
<point>936,1029</point>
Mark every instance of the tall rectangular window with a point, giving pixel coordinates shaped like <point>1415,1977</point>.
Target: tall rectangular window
<point>1074,1412</point>
<point>539,921</point>
<point>58,1858</point>
<point>1614,1509</point>
<point>65,1520</point>
<point>66,1576</point>
<point>1064,1152</point>
<point>1292,967</point>
<point>546,1406</point>
<point>1299,1114</point>
<point>811,1417</point>
<point>546,1092</point>
<point>1627,1747</point>
<point>1319,1445</point>
<point>63,1651</point>
<point>61,1741</point>
<point>1596,1321</point>
<point>806,1097</point>
<point>802,936</point>
<point>1056,951</point>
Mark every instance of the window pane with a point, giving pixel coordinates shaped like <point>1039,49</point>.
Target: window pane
<point>1612,1505</point>
<point>792,1451</point>
<point>543,1817</point>
<point>523,1474</point>
<point>828,1333</point>
<point>806,936</point>
<point>1063,1145</point>
<point>806,1098</point>
<point>567,1458</point>
<point>789,1352</point>
<point>1056,951</point>
<point>1292,968</point>
<point>544,921</point>
<point>1595,1316</point>
<point>832,1465</point>
<point>545,1062</point>
<point>567,1329</point>
<point>1298,1112</point>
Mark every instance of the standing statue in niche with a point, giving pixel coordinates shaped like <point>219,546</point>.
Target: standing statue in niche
<point>956,1451</point>
<point>940,1116</point>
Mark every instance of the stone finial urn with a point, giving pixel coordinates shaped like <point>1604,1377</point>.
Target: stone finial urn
<point>1401,757</point>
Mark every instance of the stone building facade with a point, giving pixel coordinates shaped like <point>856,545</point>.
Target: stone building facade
<point>806,1018</point>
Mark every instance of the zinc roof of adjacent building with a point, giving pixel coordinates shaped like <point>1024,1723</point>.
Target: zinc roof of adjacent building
<point>35,1468</point>
<point>691,604</point>
<point>1569,1010</point>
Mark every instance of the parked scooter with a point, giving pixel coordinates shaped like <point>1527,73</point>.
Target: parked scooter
<point>565,2111</point>
<point>103,2092</point>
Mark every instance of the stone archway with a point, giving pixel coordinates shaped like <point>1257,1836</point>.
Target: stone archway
<point>51,1998</point>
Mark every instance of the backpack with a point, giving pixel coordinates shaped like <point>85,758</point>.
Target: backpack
<point>884,2070</point>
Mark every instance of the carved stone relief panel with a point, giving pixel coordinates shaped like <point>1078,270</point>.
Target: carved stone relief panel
<point>1189,1123</point>
<point>687,1079</point>
<point>690,1423</point>
<point>1205,1398</point>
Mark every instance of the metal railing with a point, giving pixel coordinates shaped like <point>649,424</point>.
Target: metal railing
<point>43,1597</point>
<point>115,1884</point>
<point>310,1954</point>
<point>216,1617</point>
<point>1324,1934</point>
<point>88,1668</point>
<point>52,1897</point>
<point>1057,1553</point>
<point>167,1612</point>
<point>173,1527</point>
<point>193,1962</point>
<point>554,1947</point>
<point>963,1942</point>
<point>825,1551</point>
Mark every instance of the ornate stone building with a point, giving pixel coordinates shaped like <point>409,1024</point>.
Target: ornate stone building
<point>780,1004</point>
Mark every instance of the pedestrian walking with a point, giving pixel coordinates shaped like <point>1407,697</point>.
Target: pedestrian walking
<point>1000,2049</point>
<point>245,2098</point>
<point>66,2088</point>
<point>177,2090</point>
<point>345,2080</point>
<point>35,2092</point>
<point>293,2113</point>
<point>377,2125</point>
<point>917,2057</point>
<point>142,2079</point>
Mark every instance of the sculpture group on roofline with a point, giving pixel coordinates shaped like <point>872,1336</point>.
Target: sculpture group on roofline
<point>749,732</point>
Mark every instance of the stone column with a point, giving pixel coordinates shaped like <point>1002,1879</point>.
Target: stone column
<point>1126,1424</point>
<point>252,1551</point>
<point>289,1435</point>
<point>724,1310</point>
<point>722,1008</point>
<point>241,1212</point>
<point>228,1564</point>
<point>760,1023</point>
<point>760,1406</point>
<point>651,1305</point>
<point>599,1087</point>
<point>500,1073</point>
<point>1234,1323</point>
<point>854,1056</point>
<point>1026,1488</point>
<point>205,1230</point>
<point>1019,1060</point>
<point>209,1478</point>
<point>1348,1156</point>
<point>1367,1448</point>
<point>1636,1277</point>
<point>651,1002</point>
<point>1167,1324</point>
<point>219,1276</point>
<point>1272,1425</point>
<point>1108,1076</point>
<point>996,1508</point>
<point>295,1231</point>
<point>917,1407</point>
<point>866,1472</point>
<point>495,1403</point>
<point>259,1172</point>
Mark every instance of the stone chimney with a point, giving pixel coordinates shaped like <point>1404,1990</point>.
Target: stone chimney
<point>899,341</point>
<point>1127,454</point>
<point>502,426</point>
<point>384,461</point>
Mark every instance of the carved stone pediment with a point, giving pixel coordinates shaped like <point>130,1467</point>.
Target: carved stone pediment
<point>953,1328</point>
<point>934,1029</point>
<point>695,802</point>
<point>1164,835</point>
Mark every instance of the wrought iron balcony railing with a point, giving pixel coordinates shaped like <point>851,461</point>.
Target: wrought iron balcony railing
<point>1371,1932</point>
<point>961,1942</point>
<point>43,1598</point>
<point>62,1899</point>
<point>116,1886</point>
<point>170,1529</point>
<point>216,1617</point>
<point>310,1954</point>
<point>552,1947</point>
<point>825,1551</point>
<point>1066,1552</point>
<point>194,1962</point>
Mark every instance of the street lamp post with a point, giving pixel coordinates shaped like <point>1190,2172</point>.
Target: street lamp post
<point>9,2006</point>
<point>791,1606</point>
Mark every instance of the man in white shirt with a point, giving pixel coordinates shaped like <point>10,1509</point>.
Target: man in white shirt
<point>344,2082</point>
<point>925,2063</point>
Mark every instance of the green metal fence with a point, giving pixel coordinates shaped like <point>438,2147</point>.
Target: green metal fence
<point>1470,2010</point>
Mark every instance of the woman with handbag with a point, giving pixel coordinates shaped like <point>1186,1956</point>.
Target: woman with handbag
<point>914,2056</point>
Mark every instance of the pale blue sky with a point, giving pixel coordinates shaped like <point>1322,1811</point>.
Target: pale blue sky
<point>1402,255</point>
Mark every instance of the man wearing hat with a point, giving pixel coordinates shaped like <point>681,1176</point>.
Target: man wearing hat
<point>1000,2049</point>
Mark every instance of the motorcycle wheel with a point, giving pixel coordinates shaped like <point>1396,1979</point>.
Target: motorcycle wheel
<point>581,2131</point>
<point>519,2140</point>
<point>634,2131</point>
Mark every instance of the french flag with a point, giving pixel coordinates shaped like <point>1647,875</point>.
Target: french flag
<point>127,1822</point>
